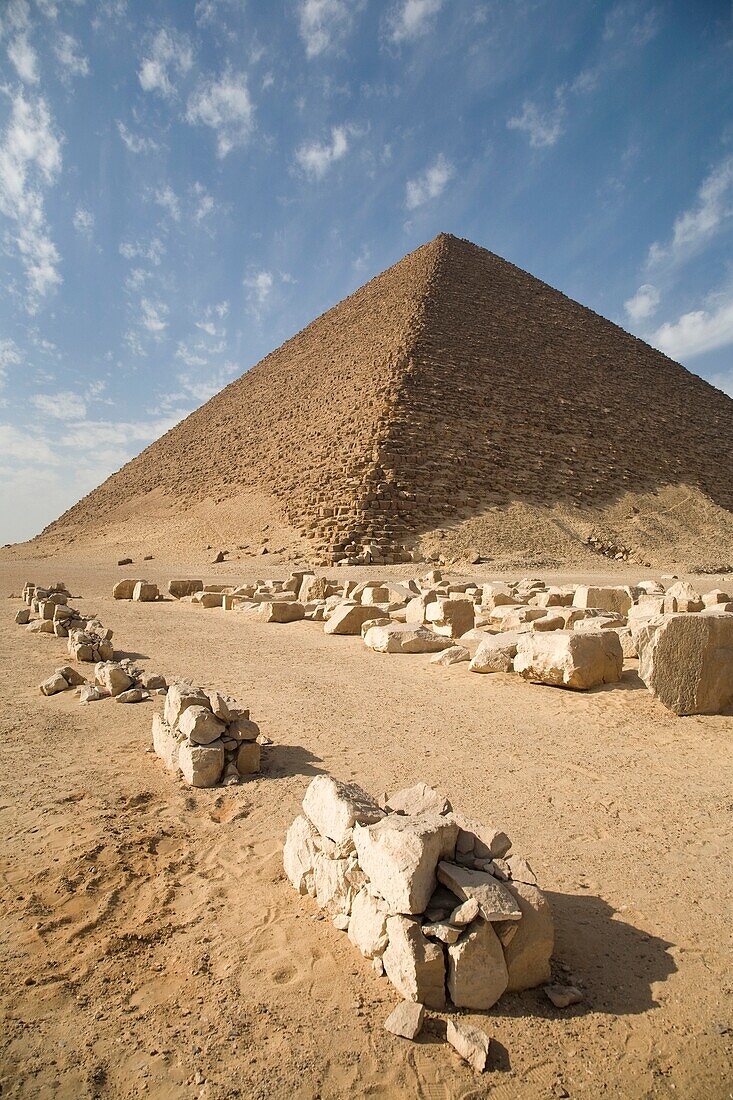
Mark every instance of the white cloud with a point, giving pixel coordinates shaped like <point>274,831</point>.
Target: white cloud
<point>69,55</point>
<point>543,127</point>
<point>697,332</point>
<point>315,158</point>
<point>203,202</point>
<point>60,406</point>
<point>259,285</point>
<point>169,56</point>
<point>152,251</point>
<point>693,228</point>
<point>632,22</point>
<point>412,18</point>
<point>24,58</point>
<point>153,315</point>
<point>30,159</point>
<point>430,184</point>
<point>83,221</point>
<point>226,107</point>
<point>644,303</point>
<point>324,23</point>
<point>202,387</point>
<point>15,15</point>
<point>9,357</point>
<point>167,198</point>
<point>134,142</point>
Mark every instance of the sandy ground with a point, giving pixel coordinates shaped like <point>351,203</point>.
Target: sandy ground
<point>152,946</point>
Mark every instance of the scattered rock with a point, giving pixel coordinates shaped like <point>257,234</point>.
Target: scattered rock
<point>406,1020</point>
<point>470,1042</point>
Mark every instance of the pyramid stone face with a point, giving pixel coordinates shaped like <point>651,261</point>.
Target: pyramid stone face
<point>452,380</point>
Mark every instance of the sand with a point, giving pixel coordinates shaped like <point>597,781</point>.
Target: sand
<point>153,946</point>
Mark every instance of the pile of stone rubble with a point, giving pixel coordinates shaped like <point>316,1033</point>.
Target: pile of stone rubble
<point>48,612</point>
<point>118,680</point>
<point>439,903</point>
<point>572,636</point>
<point>206,736</point>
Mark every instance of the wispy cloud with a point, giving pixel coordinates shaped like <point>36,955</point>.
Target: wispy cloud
<point>83,221</point>
<point>699,331</point>
<point>167,198</point>
<point>632,23</point>
<point>9,357</point>
<point>203,202</point>
<point>542,127</point>
<point>152,250</point>
<point>695,227</point>
<point>136,143</point>
<point>168,57</point>
<point>153,316</point>
<point>259,285</point>
<point>60,406</point>
<point>24,58</point>
<point>316,158</point>
<point>323,24</point>
<point>30,160</point>
<point>225,106</point>
<point>430,184</point>
<point>643,304</point>
<point>409,19</point>
<point>69,55</point>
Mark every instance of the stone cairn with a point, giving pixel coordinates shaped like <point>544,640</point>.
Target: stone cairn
<point>571,636</point>
<point>438,902</point>
<point>206,736</point>
<point>118,680</point>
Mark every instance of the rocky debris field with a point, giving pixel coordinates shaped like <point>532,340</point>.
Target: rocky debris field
<point>110,899</point>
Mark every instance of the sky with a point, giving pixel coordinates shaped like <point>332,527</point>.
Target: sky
<point>184,184</point>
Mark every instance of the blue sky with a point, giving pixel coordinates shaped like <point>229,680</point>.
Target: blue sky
<point>183,185</point>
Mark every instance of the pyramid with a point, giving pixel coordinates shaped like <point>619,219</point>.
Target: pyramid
<point>451,383</point>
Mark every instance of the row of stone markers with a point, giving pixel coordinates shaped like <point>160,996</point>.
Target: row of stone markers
<point>205,736</point>
<point>571,636</point>
<point>438,903</point>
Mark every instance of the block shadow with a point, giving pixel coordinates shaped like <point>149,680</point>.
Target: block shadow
<point>286,760</point>
<point>616,963</point>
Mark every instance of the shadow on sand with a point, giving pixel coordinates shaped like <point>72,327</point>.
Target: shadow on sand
<point>285,760</point>
<point>615,963</point>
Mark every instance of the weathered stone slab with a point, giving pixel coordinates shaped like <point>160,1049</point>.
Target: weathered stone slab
<point>335,807</point>
<point>403,638</point>
<point>399,855</point>
<point>495,901</point>
<point>470,1042</point>
<point>406,1020</point>
<point>201,765</point>
<point>686,661</point>
<point>414,965</point>
<point>564,658</point>
<point>529,951</point>
<point>477,972</point>
<point>299,855</point>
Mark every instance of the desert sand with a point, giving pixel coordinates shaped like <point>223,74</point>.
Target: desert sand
<point>152,944</point>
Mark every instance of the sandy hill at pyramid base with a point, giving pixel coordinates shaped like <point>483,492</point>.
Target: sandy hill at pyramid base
<point>452,393</point>
<point>676,528</point>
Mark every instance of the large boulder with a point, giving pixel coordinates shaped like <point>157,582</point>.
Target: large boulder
<point>179,697</point>
<point>184,587</point>
<point>529,950</point>
<point>165,743</point>
<point>450,618</point>
<point>686,661</point>
<point>617,598</point>
<point>420,799</point>
<point>682,597</point>
<point>335,807</point>
<point>403,638</point>
<point>347,618</point>
<point>496,653</point>
<point>564,658</point>
<point>299,854</point>
<point>200,726</point>
<point>201,765</point>
<point>494,901</point>
<point>145,592</point>
<point>477,972</point>
<point>399,856</point>
<point>368,923</point>
<point>281,611</point>
<point>124,589</point>
<point>414,965</point>
<point>112,677</point>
